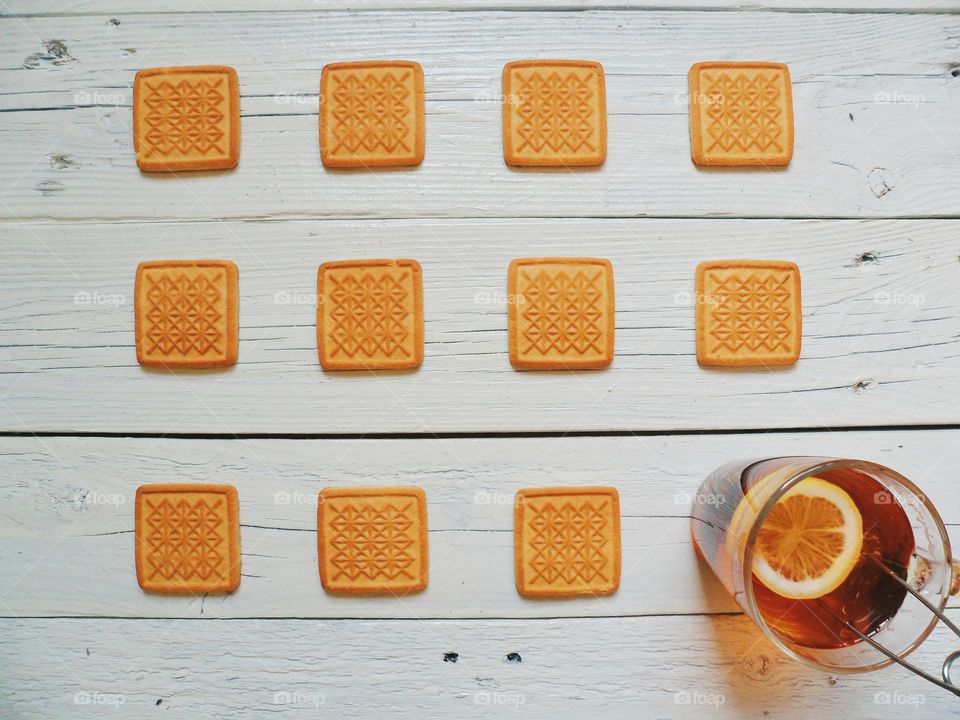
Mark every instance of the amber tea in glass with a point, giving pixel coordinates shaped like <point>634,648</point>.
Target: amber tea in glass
<point>900,539</point>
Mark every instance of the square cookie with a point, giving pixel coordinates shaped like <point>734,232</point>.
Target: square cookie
<point>567,541</point>
<point>741,114</point>
<point>561,313</point>
<point>372,540</point>
<point>187,538</point>
<point>187,313</point>
<point>370,315</point>
<point>186,118</point>
<point>748,312</point>
<point>554,113</point>
<point>371,114</point>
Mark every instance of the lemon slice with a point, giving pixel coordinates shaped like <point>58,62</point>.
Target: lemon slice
<point>809,542</point>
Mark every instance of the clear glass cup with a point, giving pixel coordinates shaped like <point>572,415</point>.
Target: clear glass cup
<point>733,503</point>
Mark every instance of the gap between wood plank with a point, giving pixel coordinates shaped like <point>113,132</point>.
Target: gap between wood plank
<point>471,435</point>
<point>156,220</point>
<point>494,8</point>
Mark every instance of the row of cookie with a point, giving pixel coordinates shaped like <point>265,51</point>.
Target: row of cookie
<point>371,115</point>
<point>373,540</point>
<point>560,313</point>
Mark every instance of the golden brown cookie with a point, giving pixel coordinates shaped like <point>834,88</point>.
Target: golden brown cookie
<point>554,113</point>
<point>371,114</point>
<point>187,538</point>
<point>186,118</point>
<point>370,315</point>
<point>560,313</point>
<point>748,312</point>
<point>187,313</point>
<point>372,540</point>
<point>567,541</point>
<point>741,113</point>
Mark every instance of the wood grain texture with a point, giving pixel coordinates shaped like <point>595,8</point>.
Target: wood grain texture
<point>67,509</point>
<point>663,667</point>
<point>30,8</point>
<point>875,119</point>
<point>876,107</point>
<point>880,347</point>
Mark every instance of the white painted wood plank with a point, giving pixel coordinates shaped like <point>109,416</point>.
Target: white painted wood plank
<point>664,667</point>
<point>875,119</point>
<point>881,329</point>
<point>66,540</point>
<point>121,8</point>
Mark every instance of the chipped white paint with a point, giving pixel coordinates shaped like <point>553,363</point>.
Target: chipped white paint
<point>881,330</point>
<point>74,516</point>
<point>876,110</point>
<point>864,106</point>
<point>625,668</point>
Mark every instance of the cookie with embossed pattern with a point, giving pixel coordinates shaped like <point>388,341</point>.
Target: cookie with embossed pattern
<point>560,313</point>
<point>749,312</point>
<point>370,315</point>
<point>372,540</point>
<point>186,118</point>
<point>554,113</point>
<point>371,114</point>
<point>187,538</point>
<point>187,313</point>
<point>741,113</point>
<point>567,541</point>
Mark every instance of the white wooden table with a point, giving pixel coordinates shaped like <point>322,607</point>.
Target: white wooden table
<point>868,208</point>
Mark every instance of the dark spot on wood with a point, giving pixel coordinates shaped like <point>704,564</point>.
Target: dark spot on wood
<point>114,22</point>
<point>130,51</point>
<point>866,258</point>
<point>862,386</point>
<point>880,181</point>
<point>451,657</point>
<point>851,116</point>
<point>831,680</point>
<point>955,71</point>
<point>159,700</point>
<point>49,187</point>
<point>88,652</point>
<point>62,162</point>
<point>55,52</point>
<point>514,657</point>
<point>757,667</point>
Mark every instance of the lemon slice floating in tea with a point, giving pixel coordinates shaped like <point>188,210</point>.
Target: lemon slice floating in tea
<point>809,542</point>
